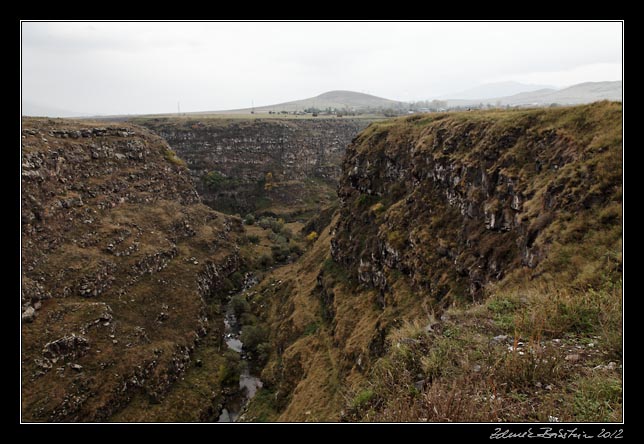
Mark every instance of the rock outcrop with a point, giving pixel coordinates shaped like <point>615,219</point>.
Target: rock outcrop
<point>118,257</point>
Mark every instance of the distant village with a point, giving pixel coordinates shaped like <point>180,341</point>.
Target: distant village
<point>401,109</point>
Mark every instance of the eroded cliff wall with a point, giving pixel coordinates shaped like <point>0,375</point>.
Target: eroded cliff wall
<point>260,164</point>
<point>456,201</point>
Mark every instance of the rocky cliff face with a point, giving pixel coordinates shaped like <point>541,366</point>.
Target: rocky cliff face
<point>118,257</point>
<point>256,164</point>
<point>519,211</point>
<point>454,202</point>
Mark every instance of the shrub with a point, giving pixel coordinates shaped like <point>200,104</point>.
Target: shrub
<point>280,252</point>
<point>253,239</point>
<point>377,208</point>
<point>215,180</point>
<point>237,279</point>
<point>227,285</point>
<point>312,236</point>
<point>277,225</point>
<point>363,398</point>
<point>265,260</point>
<point>240,305</point>
<point>253,335</point>
<point>172,157</point>
<point>277,238</point>
<point>229,369</point>
<point>265,222</point>
<point>287,232</point>
<point>249,219</point>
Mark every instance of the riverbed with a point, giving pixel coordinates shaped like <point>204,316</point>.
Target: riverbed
<point>248,383</point>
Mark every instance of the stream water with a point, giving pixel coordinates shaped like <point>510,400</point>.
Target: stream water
<point>248,384</point>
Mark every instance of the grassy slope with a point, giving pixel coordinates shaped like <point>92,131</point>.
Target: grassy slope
<point>544,342</point>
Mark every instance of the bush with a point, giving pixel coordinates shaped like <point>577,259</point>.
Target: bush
<point>253,239</point>
<point>312,236</point>
<point>172,157</point>
<point>237,279</point>
<point>262,352</point>
<point>249,219</point>
<point>277,225</point>
<point>277,238</point>
<point>229,370</point>
<point>363,398</point>
<point>240,305</point>
<point>287,232</point>
<point>265,261</point>
<point>265,222</point>
<point>280,252</point>
<point>227,285</point>
<point>253,335</point>
<point>216,181</point>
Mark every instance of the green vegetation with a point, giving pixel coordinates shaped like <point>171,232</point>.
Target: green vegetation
<point>249,219</point>
<point>217,181</point>
<point>253,239</point>
<point>172,157</point>
<point>596,398</point>
<point>229,369</point>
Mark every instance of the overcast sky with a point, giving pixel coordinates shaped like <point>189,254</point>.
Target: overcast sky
<point>130,68</point>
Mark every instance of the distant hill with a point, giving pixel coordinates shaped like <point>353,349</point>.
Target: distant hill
<point>332,99</point>
<point>573,95</point>
<point>497,89</point>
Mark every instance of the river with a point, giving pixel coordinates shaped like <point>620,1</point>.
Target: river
<point>248,383</point>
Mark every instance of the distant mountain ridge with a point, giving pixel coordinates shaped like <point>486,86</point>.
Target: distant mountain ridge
<point>587,92</point>
<point>496,89</point>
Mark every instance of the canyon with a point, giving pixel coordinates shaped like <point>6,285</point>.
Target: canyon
<point>436,267</point>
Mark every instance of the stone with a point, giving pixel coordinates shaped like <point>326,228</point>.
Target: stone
<point>572,357</point>
<point>71,346</point>
<point>76,367</point>
<point>28,314</point>
<point>500,338</point>
<point>199,363</point>
<point>43,363</point>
